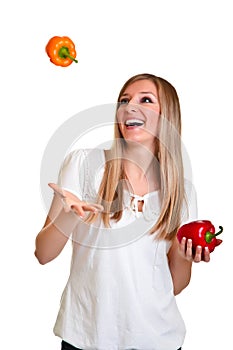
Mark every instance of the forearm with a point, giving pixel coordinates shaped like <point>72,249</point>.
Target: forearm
<point>181,273</point>
<point>180,268</point>
<point>49,243</point>
<point>54,235</point>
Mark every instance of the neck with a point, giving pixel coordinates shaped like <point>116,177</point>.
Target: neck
<point>141,168</point>
<point>138,158</point>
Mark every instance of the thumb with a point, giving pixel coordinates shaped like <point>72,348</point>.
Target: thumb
<point>57,189</point>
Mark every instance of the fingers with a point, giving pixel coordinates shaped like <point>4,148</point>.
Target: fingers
<point>71,202</point>
<point>206,254</point>
<point>63,193</point>
<point>92,207</point>
<point>200,254</point>
<point>189,250</point>
<point>57,189</point>
<point>82,207</point>
<point>186,248</point>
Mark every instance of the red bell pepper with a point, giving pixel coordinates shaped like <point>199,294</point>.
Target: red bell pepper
<point>202,233</point>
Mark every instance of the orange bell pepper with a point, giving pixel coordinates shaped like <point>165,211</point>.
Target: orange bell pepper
<point>61,51</point>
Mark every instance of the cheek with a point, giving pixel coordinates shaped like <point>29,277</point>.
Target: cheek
<point>119,119</point>
<point>152,115</point>
<point>157,110</point>
<point>119,115</point>
<point>153,125</point>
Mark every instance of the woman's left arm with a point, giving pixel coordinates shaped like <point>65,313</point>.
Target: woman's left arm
<point>180,259</point>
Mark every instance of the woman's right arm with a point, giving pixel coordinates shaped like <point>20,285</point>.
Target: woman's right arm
<point>55,233</point>
<point>64,214</point>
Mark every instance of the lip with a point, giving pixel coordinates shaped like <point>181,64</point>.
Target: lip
<point>136,122</point>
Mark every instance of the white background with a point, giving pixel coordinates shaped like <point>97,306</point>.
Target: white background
<point>188,43</point>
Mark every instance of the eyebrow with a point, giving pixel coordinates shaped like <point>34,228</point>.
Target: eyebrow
<point>142,92</point>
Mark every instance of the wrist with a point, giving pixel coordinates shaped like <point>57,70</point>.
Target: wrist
<point>65,222</point>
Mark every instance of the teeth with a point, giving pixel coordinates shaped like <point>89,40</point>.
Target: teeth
<point>134,122</point>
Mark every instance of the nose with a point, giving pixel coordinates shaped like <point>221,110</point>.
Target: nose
<point>131,107</point>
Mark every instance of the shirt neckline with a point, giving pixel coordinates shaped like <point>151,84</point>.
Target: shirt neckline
<point>145,196</point>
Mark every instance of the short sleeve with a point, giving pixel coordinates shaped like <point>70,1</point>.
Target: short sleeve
<point>72,173</point>
<point>189,212</point>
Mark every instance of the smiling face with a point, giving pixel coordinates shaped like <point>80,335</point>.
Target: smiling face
<point>138,113</point>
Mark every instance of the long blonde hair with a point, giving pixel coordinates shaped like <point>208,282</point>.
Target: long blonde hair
<point>170,160</point>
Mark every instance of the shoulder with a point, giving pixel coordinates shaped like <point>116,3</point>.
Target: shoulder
<point>189,189</point>
<point>82,171</point>
<point>79,156</point>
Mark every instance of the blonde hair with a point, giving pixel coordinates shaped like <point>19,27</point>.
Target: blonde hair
<point>170,160</point>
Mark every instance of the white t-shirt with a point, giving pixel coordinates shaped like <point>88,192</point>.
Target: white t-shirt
<point>119,294</point>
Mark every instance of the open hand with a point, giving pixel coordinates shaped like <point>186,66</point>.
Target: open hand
<point>73,203</point>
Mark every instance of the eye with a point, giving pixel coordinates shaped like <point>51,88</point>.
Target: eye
<point>146,100</point>
<point>124,101</point>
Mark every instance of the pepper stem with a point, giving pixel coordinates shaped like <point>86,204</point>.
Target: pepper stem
<point>64,53</point>
<point>209,236</point>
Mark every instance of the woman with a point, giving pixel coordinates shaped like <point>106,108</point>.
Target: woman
<point>122,207</point>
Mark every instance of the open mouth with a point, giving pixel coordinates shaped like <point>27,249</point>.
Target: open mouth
<point>134,122</point>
